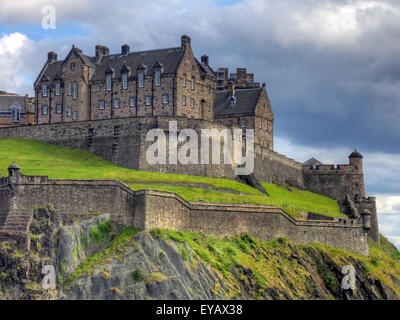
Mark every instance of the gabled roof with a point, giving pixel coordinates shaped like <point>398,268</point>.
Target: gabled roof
<point>168,58</point>
<point>312,162</point>
<point>246,101</point>
<point>50,71</point>
<point>7,101</point>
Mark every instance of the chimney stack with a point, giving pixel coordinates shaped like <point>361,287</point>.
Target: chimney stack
<point>101,51</point>
<point>52,56</point>
<point>231,89</point>
<point>125,49</point>
<point>185,42</point>
<point>204,59</point>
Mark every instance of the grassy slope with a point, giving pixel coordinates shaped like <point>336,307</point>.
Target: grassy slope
<point>36,158</point>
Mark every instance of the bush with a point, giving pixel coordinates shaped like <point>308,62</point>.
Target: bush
<point>331,281</point>
<point>138,275</point>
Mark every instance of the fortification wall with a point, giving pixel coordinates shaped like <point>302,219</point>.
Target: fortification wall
<point>148,209</point>
<point>167,210</point>
<point>334,182</point>
<point>123,141</point>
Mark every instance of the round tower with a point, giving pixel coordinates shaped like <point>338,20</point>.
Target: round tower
<point>355,159</point>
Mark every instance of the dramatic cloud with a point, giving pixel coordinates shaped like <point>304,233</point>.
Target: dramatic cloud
<point>12,47</point>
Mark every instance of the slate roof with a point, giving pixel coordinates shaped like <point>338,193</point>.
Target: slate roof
<point>168,58</point>
<point>312,162</point>
<point>7,100</point>
<point>51,71</point>
<point>355,154</point>
<point>246,101</point>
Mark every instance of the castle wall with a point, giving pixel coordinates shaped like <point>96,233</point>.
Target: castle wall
<point>334,182</point>
<point>149,209</point>
<point>168,211</point>
<point>123,142</point>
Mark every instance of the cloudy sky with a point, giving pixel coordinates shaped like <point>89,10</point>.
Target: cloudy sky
<point>332,67</point>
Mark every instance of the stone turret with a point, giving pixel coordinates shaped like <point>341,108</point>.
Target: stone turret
<point>355,159</point>
<point>13,173</point>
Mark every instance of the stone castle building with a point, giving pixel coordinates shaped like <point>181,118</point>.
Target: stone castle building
<point>106,104</point>
<point>164,82</point>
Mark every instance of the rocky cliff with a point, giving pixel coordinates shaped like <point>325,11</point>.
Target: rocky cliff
<point>94,260</point>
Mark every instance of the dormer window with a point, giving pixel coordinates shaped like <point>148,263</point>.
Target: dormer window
<point>109,82</point>
<point>125,81</point>
<point>58,88</point>
<point>44,92</point>
<point>141,79</point>
<point>233,101</point>
<point>158,77</point>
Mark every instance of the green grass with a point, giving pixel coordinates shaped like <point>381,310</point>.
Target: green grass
<point>37,158</point>
<point>302,200</point>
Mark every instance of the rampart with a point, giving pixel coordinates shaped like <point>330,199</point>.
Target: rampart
<point>148,209</point>
<point>123,141</point>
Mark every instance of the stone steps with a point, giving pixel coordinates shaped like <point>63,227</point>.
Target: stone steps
<point>17,221</point>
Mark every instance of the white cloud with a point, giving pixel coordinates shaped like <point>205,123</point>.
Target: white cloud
<point>13,48</point>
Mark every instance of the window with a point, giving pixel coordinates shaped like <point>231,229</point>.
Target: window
<point>15,115</point>
<point>141,79</point>
<point>69,88</point>
<point>116,103</point>
<point>44,93</point>
<point>184,81</point>
<point>69,111</point>
<point>72,66</point>
<point>75,90</point>
<point>266,124</point>
<point>148,100</point>
<point>102,104</point>
<point>75,115</point>
<point>109,82</point>
<point>184,100</point>
<point>58,89</point>
<point>59,108</point>
<point>133,102</point>
<point>260,123</point>
<point>192,103</point>
<point>158,77</point>
<point>192,84</point>
<point>230,122</point>
<point>165,98</point>
<point>243,123</point>
<point>45,110</point>
<point>125,81</point>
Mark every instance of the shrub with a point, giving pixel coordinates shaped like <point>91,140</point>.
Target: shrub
<point>138,275</point>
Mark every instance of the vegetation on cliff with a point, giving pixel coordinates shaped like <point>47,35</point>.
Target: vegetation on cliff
<point>37,158</point>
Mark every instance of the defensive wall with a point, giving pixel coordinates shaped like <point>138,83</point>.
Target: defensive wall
<point>123,141</point>
<point>148,209</point>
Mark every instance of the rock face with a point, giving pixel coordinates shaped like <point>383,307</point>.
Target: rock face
<point>96,261</point>
<point>152,269</point>
<point>76,242</point>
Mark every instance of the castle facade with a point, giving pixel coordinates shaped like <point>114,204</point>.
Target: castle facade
<point>163,82</point>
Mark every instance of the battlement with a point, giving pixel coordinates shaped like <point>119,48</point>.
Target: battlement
<point>330,169</point>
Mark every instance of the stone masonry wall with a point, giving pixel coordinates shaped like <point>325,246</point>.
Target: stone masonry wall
<point>123,142</point>
<point>148,209</point>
